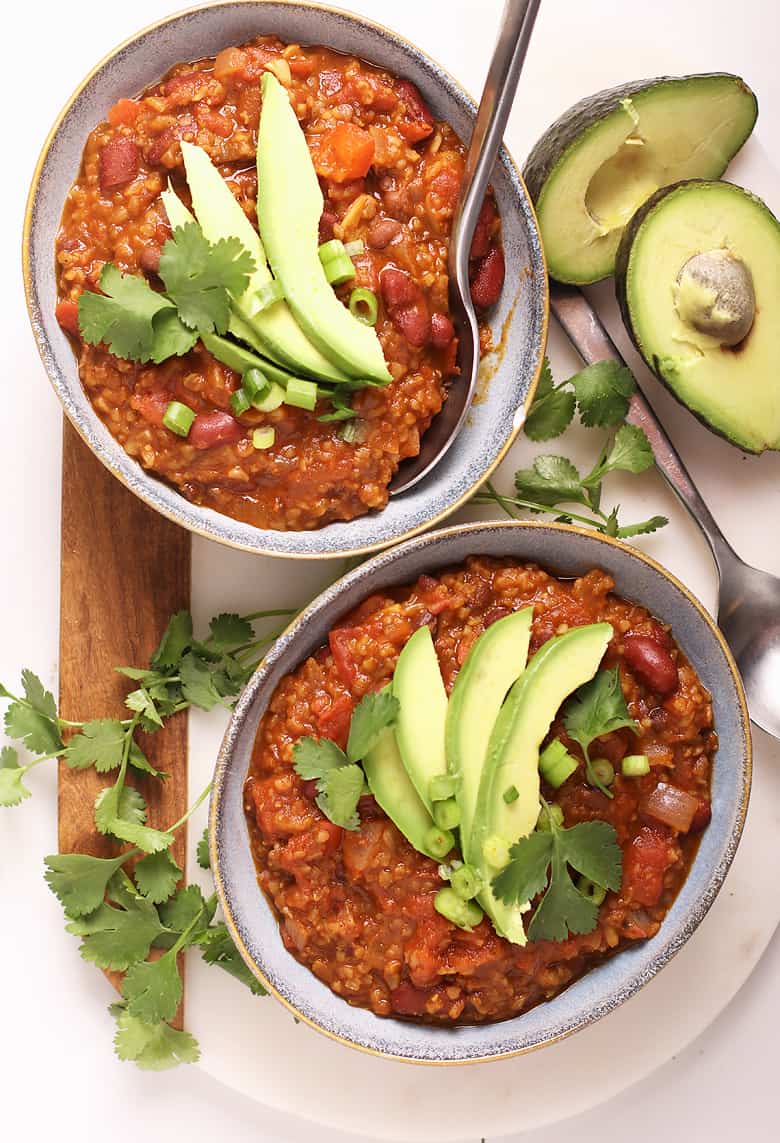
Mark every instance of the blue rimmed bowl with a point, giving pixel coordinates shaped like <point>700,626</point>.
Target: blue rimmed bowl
<point>519,321</point>
<point>566,551</point>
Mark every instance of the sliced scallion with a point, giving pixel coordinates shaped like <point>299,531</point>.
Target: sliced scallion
<point>556,764</point>
<point>438,842</point>
<point>349,432</point>
<point>463,914</point>
<point>239,402</point>
<point>269,398</point>
<point>635,765</point>
<point>300,393</point>
<point>339,270</point>
<point>446,814</point>
<point>263,438</point>
<point>441,788</point>
<point>254,383</point>
<point>363,305</point>
<point>465,882</point>
<point>332,249</point>
<point>178,418</point>
<point>554,811</point>
<point>352,249</point>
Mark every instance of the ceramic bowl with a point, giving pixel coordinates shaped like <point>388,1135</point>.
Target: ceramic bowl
<point>566,551</point>
<point>519,321</point>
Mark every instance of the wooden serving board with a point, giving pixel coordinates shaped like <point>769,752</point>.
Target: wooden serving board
<point>125,570</point>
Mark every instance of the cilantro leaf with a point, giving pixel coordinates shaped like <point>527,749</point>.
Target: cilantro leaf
<point>100,744</point>
<point>116,803</point>
<point>197,682</point>
<point>145,837</point>
<point>603,391</point>
<point>630,452</point>
<point>200,278</point>
<point>313,758</point>
<point>142,703</point>
<point>526,874</point>
<point>79,880</point>
<point>34,721</point>
<point>592,849</point>
<point>551,480</point>
<point>157,876</point>
<point>371,715</point>
<point>338,794</point>
<point>12,789</point>
<point>177,637</point>
<point>37,696</point>
<point>153,1047</point>
<point>9,758</point>
<point>217,947</point>
<point>115,938</point>
<point>170,336</point>
<point>563,909</point>
<point>597,708</point>
<point>202,852</point>
<point>153,989</point>
<point>550,415</point>
<point>643,529</point>
<point>123,315</point>
<point>229,630</point>
<point>179,913</point>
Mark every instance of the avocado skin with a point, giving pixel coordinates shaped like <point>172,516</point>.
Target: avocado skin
<point>622,259</point>
<point>550,148</point>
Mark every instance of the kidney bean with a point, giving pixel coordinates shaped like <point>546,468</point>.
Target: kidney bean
<point>382,231</point>
<point>651,663</point>
<point>397,288</point>
<point>149,258</point>
<point>414,322</point>
<point>442,331</point>
<point>480,243</point>
<point>406,306</point>
<point>118,163</point>
<point>488,279</point>
<point>327,222</point>
<point>212,429</point>
<point>418,123</point>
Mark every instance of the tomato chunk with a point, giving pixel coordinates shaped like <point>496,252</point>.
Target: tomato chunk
<point>212,429</point>
<point>343,153</point>
<point>644,865</point>
<point>67,314</point>
<point>151,404</point>
<point>334,722</point>
<point>340,639</point>
<point>124,113</point>
<point>118,163</point>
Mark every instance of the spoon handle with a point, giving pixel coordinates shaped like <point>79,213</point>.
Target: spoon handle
<point>584,328</point>
<point>498,96</point>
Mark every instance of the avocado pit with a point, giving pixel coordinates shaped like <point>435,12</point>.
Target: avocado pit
<point>714,295</point>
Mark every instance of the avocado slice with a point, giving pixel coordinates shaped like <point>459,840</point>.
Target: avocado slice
<point>606,155</point>
<point>390,784</point>
<point>422,713</point>
<point>240,359</point>
<point>560,665</point>
<point>493,664</point>
<point>289,206</point>
<point>697,282</point>
<point>220,216</point>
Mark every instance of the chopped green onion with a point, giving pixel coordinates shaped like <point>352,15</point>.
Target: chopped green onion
<point>635,765</point>
<point>269,398</point>
<point>339,270</point>
<point>330,250</point>
<point>495,851</point>
<point>465,882</point>
<point>552,810</point>
<point>446,814</point>
<point>254,382</point>
<point>511,794</point>
<point>302,394</point>
<point>354,248</point>
<point>556,764</point>
<point>603,771</point>
<point>239,402</point>
<point>446,871</point>
<point>349,432</point>
<point>595,893</point>
<point>268,295</point>
<point>438,842</point>
<point>464,914</point>
<point>363,305</point>
<point>441,788</point>
<point>263,438</point>
<point>341,411</point>
<point>178,418</point>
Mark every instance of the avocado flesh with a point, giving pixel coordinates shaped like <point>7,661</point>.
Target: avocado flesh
<point>607,155</point>
<point>493,664</point>
<point>390,784</point>
<point>734,390</point>
<point>560,665</point>
<point>289,206</point>
<point>422,713</point>
<point>220,216</point>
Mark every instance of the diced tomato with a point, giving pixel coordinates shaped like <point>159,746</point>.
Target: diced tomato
<point>343,153</point>
<point>408,1000</point>
<point>124,113</point>
<point>229,62</point>
<point>213,121</point>
<point>67,314</point>
<point>340,639</point>
<point>212,429</point>
<point>333,723</point>
<point>302,67</point>
<point>151,404</point>
<point>370,91</point>
<point>644,865</point>
<point>118,163</point>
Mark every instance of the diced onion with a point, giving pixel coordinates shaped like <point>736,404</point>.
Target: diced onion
<point>671,806</point>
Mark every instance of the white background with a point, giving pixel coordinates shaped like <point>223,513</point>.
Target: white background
<point>57,1073</point>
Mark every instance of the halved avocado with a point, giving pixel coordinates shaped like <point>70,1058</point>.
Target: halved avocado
<point>493,664</point>
<point>220,216</point>
<point>698,282</point>
<point>422,699</point>
<point>289,206</point>
<point>392,787</point>
<point>560,665</point>
<point>606,155</point>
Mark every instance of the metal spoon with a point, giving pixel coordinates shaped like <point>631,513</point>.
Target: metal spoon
<point>498,95</point>
<point>749,599</point>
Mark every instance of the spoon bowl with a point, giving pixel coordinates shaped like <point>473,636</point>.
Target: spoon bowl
<point>749,617</point>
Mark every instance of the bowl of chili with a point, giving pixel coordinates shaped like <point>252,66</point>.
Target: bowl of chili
<point>340,922</point>
<point>188,433</point>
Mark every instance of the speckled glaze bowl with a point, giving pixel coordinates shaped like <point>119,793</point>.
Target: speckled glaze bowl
<point>519,321</point>
<point>566,551</point>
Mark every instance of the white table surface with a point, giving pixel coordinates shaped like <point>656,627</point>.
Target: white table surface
<point>57,1073</point>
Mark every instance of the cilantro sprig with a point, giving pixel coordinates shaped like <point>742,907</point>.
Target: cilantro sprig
<point>595,709</point>
<point>141,324</point>
<point>540,863</point>
<point>340,781</point>
<point>553,483</point>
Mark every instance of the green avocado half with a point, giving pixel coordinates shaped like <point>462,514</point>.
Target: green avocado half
<point>606,155</point>
<point>698,283</point>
